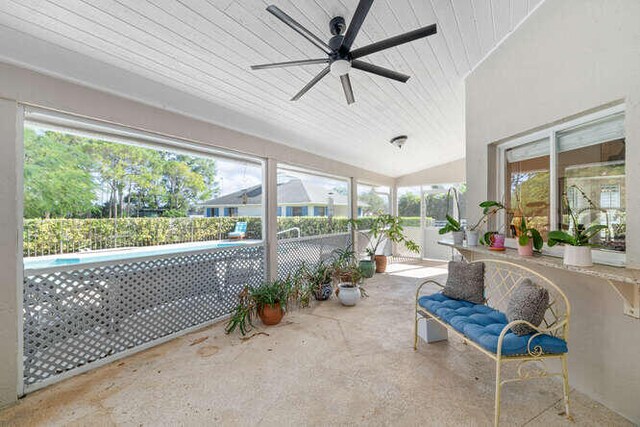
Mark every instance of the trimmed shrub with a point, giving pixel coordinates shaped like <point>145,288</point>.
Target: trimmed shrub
<point>58,236</point>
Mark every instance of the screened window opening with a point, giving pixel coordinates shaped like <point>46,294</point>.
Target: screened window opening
<point>589,159</point>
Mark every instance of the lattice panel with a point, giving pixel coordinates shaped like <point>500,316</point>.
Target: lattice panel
<point>292,253</point>
<point>501,280</point>
<point>75,317</point>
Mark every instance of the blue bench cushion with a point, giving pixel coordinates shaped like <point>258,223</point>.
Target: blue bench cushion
<point>482,325</point>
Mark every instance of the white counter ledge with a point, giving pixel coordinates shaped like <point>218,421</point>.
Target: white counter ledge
<point>626,281</point>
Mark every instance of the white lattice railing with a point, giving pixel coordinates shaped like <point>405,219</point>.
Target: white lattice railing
<point>75,317</point>
<point>293,253</point>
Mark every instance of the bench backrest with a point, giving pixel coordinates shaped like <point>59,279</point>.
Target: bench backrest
<point>241,227</point>
<point>501,279</point>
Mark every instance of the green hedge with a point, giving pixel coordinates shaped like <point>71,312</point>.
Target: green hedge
<point>55,236</point>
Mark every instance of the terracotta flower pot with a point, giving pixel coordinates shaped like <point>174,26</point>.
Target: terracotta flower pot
<point>271,314</point>
<point>381,263</point>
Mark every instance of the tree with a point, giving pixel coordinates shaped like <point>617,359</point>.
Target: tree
<point>188,180</point>
<point>57,176</point>
<point>67,175</point>
<point>409,205</point>
<point>375,204</point>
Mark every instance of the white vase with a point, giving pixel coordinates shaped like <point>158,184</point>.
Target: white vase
<point>578,256</point>
<point>458,237</point>
<point>472,238</point>
<point>348,295</point>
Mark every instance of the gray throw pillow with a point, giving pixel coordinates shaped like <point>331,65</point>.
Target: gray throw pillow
<point>465,281</point>
<point>528,302</point>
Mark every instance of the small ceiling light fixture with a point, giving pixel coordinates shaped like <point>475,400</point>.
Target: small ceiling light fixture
<point>398,141</point>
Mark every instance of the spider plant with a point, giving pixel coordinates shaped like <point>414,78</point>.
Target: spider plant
<point>252,300</point>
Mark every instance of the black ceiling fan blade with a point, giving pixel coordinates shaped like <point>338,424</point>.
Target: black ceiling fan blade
<point>394,41</point>
<point>312,83</point>
<point>381,71</point>
<point>356,22</point>
<point>348,90</point>
<point>290,63</point>
<point>297,27</point>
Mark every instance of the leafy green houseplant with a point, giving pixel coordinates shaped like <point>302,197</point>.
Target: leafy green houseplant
<point>268,301</point>
<point>577,239</point>
<point>320,281</point>
<point>384,228</point>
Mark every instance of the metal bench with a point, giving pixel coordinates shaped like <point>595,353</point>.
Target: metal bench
<point>485,328</point>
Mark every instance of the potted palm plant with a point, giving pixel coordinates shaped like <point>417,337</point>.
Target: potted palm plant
<point>387,228</point>
<point>576,240</point>
<point>453,225</point>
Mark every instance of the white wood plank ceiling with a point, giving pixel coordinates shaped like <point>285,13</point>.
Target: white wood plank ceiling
<point>205,48</point>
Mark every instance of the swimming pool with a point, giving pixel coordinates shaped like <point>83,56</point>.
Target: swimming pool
<point>120,254</point>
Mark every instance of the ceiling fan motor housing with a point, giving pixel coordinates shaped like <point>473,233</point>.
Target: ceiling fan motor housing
<point>337,25</point>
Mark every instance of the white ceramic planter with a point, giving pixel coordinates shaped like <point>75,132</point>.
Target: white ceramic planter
<point>348,295</point>
<point>458,237</point>
<point>472,238</point>
<point>578,256</point>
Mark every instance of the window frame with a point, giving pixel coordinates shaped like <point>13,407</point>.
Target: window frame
<point>550,133</point>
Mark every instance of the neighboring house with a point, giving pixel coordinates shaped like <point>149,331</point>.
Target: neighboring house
<point>295,198</point>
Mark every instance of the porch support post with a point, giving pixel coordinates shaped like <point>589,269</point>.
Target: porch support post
<point>271,218</point>
<point>393,210</point>
<point>423,223</point>
<point>10,256</point>
<point>353,210</point>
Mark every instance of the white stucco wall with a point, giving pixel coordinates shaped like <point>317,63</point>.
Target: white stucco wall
<point>569,57</point>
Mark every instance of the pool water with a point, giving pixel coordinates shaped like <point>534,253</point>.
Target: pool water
<point>123,254</point>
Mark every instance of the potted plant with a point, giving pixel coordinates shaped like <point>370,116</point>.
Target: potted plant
<point>343,261</point>
<point>577,246</point>
<point>453,225</point>
<point>489,208</point>
<point>268,301</point>
<point>271,299</point>
<point>368,265</point>
<point>387,227</point>
<point>349,291</point>
<point>528,238</point>
<point>320,281</point>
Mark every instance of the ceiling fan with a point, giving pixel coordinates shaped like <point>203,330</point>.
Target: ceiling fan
<point>339,56</point>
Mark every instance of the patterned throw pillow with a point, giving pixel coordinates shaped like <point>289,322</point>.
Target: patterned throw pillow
<point>465,281</point>
<point>528,302</point>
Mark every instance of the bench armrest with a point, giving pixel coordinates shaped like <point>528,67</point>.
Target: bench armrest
<point>427,282</point>
<point>536,351</point>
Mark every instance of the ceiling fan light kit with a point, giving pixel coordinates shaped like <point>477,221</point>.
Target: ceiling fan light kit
<point>339,58</point>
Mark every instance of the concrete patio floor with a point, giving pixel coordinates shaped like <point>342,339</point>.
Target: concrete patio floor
<point>325,365</point>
